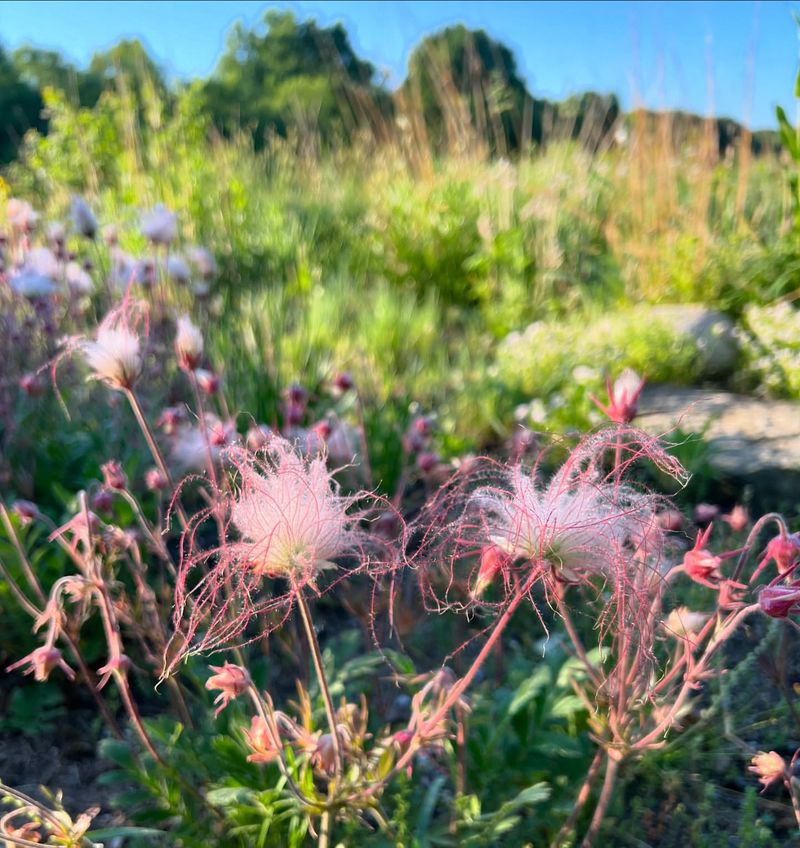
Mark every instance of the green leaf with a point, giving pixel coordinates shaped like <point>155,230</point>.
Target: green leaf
<point>529,689</point>
<point>124,831</point>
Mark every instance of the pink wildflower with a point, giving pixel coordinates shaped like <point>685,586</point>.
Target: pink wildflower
<point>188,344</point>
<point>623,397</point>
<point>784,550</point>
<point>780,601</point>
<point>700,564</point>
<point>231,680</point>
<point>769,767</point>
<point>41,662</point>
<point>737,519</point>
<point>113,475</point>
<point>261,742</point>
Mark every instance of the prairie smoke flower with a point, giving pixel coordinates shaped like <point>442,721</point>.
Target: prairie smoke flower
<point>623,397</point>
<point>784,550</point>
<point>343,382</point>
<point>27,282</point>
<point>737,519</point>
<point>83,218</point>
<point>155,480</point>
<point>21,215</point>
<point>493,562</point>
<point>41,662</point>
<point>203,261</point>
<point>700,564</point>
<point>289,513</point>
<point>780,601</point>
<point>119,664</point>
<point>261,742</point>
<point>190,449</point>
<point>287,520</point>
<point>671,519</point>
<point>26,511</point>
<point>113,475</point>
<point>170,419</point>
<point>32,384</point>
<point>258,437</point>
<point>704,513</point>
<point>769,767</point>
<point>56,234</point>
<point>78,280</point>
<point>208,381</point>
<point>188,344</point>
<point>115,356</point>
<point>178,270</point>
<point>231,681</point>
<point>160,226</point>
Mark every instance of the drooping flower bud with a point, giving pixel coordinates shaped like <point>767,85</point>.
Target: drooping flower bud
<point>231,681</point>
<point>493,562</point>
<point>41,662</point>
<point>113,475</point>
<point>261,742</point>
<point>160,226</point>
<point>155,480</point>
<point>769,767</point>
<point>208,381</point>
<point>188,344</point>
<point>779,601</point>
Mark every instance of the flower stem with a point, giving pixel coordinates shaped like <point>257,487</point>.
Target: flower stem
<point>612,767</point>
<point>316,655</point>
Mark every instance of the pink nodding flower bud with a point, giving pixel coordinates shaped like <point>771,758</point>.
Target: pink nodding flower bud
<point>296,394</point>
<point>155,480</point>
<point>324,754</point>
<point>170,418</point>
<point>26,511</point>
<point>493,562</point>
<point>737,519</point>
<point>780,601</point>
<point>258,437</point>
<point>699,563</point>
<point>784,550</point>
<point>208,381</point>
<point>188,344</point>
<point>704,513</point>
<point>119,664</point>
<point>294,413</point>
<point>231,681</point>
<point>261,742</point>
<point>426,462</point>
<point>103,501</point>
<point>623,397</point>
<point>113,475</point>
<point>402,739</point>
<point>32,384</point>
<point>422,424</point>
<point>41,662</point>
<point>322,430</point>
<point>343,382</point>
<point>769,767</point>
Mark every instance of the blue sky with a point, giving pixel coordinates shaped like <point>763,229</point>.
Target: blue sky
<point>737,58</point>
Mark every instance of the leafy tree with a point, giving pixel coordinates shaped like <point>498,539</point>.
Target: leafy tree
<point>48,69</point>
<point>463,78</point>
<point>288,73</point>
<point>20,108</point>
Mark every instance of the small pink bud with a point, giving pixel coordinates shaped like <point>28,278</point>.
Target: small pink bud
<point>116,665</point>
<point>699,563</point>
<point>402,739</point>
<point>208,381</point>
<point>41,662</point>
<point>623,397</point>
<point>32,384</point>
<point>113,475</point>
<point>737,519</point>
<point>704,513</point>
<point>324,755</point>
<point>493,562</point>
<point>258,437</point>
<point>103,501</point>
<point>26,511</point>
<point>322,430</point>
<point>171,417</point>
<point>426,462</point>
<point>155,480</point>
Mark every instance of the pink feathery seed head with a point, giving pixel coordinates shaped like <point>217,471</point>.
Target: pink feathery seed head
<point>115,355</point>
<point>41,662</point>
<point>231,681</point>
<point>738,519</point>
<point>208,381</point>
<point>289,513</point>
<point>623,397</point>
<point>769,767</point>
<point>188,344</point>
<point>287,520</point>
<point>780,601</point>
<point>83,218</point>
<point>113,475</point>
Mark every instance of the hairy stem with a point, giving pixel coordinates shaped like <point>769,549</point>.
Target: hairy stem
<point>610,778</point>
<point>580,800</point>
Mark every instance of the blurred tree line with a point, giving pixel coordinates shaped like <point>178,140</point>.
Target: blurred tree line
<point>286,76</point>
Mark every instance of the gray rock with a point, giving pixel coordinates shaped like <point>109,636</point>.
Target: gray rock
<point>712,331</point>
<point>752,441</point>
